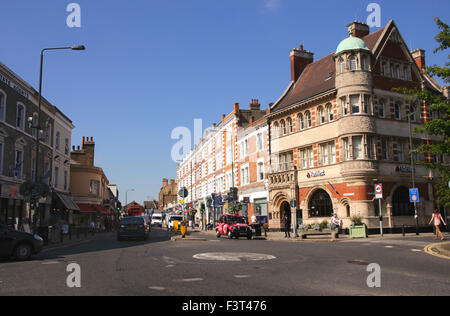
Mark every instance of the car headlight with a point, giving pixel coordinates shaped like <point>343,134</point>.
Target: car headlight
<point>37,237</point>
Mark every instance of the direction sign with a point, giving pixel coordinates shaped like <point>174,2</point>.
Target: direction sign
<point>378,191</point>
<point>414,195</point>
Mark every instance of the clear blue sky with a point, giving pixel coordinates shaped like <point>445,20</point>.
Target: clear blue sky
<point>151,66</point>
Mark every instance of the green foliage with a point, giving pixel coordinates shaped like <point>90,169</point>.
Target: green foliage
<point>439,125</point>
<point>324,225</point>
<point>356,220</point>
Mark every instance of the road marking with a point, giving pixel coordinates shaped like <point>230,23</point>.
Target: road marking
<point>416,250</point>
<point>170,266</point>
<point>51,262</point>
<point>157,288</point>
<point>241,276</point>
<point>388,247</point>
<point>189,280</point>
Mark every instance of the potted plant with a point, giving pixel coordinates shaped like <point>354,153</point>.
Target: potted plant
<point>357,228</point>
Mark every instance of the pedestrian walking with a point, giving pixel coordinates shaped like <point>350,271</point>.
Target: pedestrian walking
<point>438,220</point>
<point>92,227</point>
<point>287,227</point>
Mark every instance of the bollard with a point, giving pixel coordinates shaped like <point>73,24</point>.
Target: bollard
<point>403,230</point>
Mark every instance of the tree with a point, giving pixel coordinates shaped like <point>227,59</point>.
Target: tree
<point>439,125</point>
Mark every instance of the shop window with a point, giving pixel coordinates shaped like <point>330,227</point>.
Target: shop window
<point>320,204</point>
<point>400,203</point>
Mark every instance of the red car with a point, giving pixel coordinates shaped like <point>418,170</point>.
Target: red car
<point>233,226</point>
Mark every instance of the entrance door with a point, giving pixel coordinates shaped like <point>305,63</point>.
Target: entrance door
<point>285,209</point>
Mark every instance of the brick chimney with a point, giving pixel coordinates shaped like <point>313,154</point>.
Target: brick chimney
<point>300,58</point>
<point>165,182</point>
<point>89,150</point>
<point>254,105</point>
<point>419,58</point>
<point>236,107</point>
<point>358,29</point>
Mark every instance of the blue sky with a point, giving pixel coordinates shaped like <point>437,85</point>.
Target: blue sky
<point>151,66</point>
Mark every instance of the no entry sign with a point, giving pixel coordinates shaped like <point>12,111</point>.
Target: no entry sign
<point>378,191</point>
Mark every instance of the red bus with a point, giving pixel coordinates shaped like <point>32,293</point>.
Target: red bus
<point>135,211</point>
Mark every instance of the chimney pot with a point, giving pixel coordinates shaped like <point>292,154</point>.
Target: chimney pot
<point>419,58</point>
<point>358,29</point>
<point>299,60</point>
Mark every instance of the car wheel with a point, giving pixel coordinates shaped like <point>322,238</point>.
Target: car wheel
<point>23,252</point>
<point>230,235</point>
<point>217,234</point>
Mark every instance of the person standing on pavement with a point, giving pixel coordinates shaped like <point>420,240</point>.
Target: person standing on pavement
<point>335,221</point>
<point>287,227</point>
<point>437,218</point>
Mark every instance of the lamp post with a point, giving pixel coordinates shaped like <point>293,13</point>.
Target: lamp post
<point>37,126</point>
<point>416,216</point>
<point>126,198</point>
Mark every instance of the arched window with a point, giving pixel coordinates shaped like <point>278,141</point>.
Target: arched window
<point>276,129</point>
<point>289,125</point>
<point>2,105</point>
<point>330,113</point>
<point>308,119</point>
<point>400,203</point>
<point>301,122</point>
<point>283,127</point>
<point>353,63</point>
<point>20,116</point>
<point>320,204</point>
<point>322,118</point>
<point>341,65</point>
<point>397,111</point>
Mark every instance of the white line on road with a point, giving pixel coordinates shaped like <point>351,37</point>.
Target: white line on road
<point>51,262</point>
<point>241,276</point>
<point>416,250</point>
<point>157,288</point>
<point>189,280</point>
<point>388,247</point>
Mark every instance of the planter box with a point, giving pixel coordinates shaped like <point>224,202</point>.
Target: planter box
<point>358,231</point>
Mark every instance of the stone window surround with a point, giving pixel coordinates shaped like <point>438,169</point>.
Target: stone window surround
<point>396,64</point>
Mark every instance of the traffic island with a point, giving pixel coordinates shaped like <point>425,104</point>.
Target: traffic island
<point>186,238</point>
<point>441,250</point>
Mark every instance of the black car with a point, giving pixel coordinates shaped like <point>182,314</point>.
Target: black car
<point>17,244</point>
<point>133,227</point>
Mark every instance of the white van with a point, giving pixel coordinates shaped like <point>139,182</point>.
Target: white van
<point>157,219</point>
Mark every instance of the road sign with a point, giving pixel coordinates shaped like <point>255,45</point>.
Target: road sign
<point>414,195</point>
<point>378,191</point>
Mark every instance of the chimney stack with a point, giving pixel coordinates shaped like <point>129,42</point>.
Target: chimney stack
<point>236,107</point>
<point>358,29</point>
<point>419,57</point>
<point>300,58</point>
<point>254,105</point>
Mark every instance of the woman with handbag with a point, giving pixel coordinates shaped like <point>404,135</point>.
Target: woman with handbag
<point>437,218</point>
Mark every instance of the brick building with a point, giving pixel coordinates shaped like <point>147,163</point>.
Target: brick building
<point>339,127</point>
<point>167,197</point>
<point>228,156</point>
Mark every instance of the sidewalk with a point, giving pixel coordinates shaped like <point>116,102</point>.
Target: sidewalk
<point>74,240</point>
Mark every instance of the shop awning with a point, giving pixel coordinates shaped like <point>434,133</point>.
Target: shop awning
<point>86,208</point>
<point>101,209</point>
<point>67,201</point>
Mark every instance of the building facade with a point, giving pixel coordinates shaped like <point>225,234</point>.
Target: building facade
<point>167,197</point>
<point>227,156</point>
<point>90,187</point>
<point>340,128</point>
<point>18,132</point>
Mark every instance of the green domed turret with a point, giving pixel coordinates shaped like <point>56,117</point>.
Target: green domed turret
<point>352,43</point>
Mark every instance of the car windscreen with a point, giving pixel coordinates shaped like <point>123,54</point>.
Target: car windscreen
<point>235,219</point>
<point>156,217</point>
<point>131,221</point>
<point>176,218</point>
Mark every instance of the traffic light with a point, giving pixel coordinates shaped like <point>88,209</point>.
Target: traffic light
<point>119,206</point>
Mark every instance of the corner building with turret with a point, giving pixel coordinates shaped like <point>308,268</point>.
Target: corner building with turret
<point>339,128</point>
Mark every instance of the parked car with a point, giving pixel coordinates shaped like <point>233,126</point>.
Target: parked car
<point>17,244</point>
<point>133,227</point>
<point>157,219</point>
<point>173,218</point>
<point>233,226</point>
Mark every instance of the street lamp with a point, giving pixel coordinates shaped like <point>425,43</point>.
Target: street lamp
<point>126,198</point>
<point>79,47</point>
<point>416,216</point>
